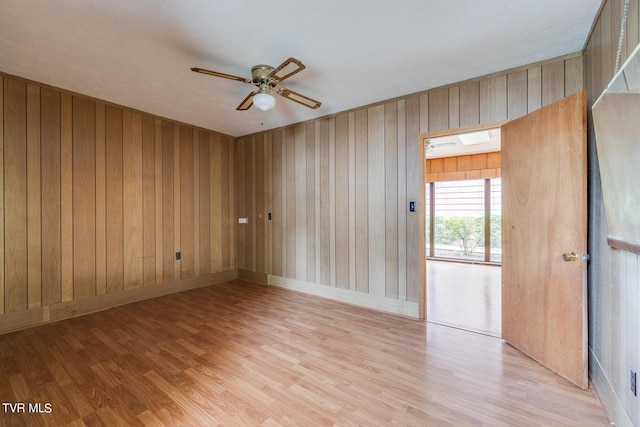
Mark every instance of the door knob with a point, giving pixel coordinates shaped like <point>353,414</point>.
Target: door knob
<point>570,256</point>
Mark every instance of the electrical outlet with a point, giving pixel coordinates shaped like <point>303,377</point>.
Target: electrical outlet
<point>633,378</point>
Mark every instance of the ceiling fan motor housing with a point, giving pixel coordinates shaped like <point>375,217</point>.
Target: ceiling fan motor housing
<point>260,75</point>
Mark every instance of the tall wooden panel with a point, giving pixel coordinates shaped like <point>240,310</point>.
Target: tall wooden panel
<point>132,199</point>
<point>413,194</point>
<point>84,198</point>
<point>325,224</point>
<point>101,200</point>
<point>50,164</point>
<point>342,201</point>
<point>159,251</point>
<point>291,201</point>
<point>186,202</point>
<point>517,94</point>
<point>2,253</point>
<point>376,197</point>
<point>438,114</point>
<point>66,195</point>
<point>493,99</point>
<point>403,201</point>
<point>310,196</point>
<point>228,217</point>
<point>168,247</point>
<point>15,195</point>
<point>362,201</point>
<point>34,209</point>
<point>148,200</point>
<point>300,162</point>
<point>204,159</point>
<point>114,202</point>
<point>216,203</point>
<point>469,104</point>
<point>277,213</point>
<point>242,232</point>
<point>391,198</point>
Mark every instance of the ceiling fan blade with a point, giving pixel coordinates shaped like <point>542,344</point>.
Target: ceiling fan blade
<point>223,75</point>
<point>247,102</point>
<point>287,69</point>
<point>301,99</point>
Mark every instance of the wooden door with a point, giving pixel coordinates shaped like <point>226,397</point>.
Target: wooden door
<point>544,201</point>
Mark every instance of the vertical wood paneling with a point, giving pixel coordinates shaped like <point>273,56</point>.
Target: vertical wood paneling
<point>413,188</point>
<point>50,163</point>
<point>613,274</point>
<point>342,201</point>
<point>300,164</point>
<point>376,196</point>
<point>148,200</point>
<point>310,193</point>
<point>403,201</point>
<point>552,82</point>
<point>91,200</point>
<point>262,191</point>
<point>101,200</point>
<point>241,250</point>
<point>438,110</point>
<point>362,201</point>
<point>391,198</point>
<point>2,211</point>
<point>534,88</point>
<point>493,99</point>
<point>186,202</point>
<point>470,104</point>
<point>132,199</point>
<point>573,75</point>
<point>114,203</point>
<point>167,201</point>
<point>34,208</point>
<point>177,201</point>
<point>228,218</point>
<point>352,201</point>
<point>232,202</point>
<point>158,196</point>
<point>196,203</point>
<point>290,228</point>
<point>15,195</point>
<point>216,201</point>
<point>204,159</point>
<point>66,195</point>
<point>332,202</point>
<point>517,94</point>
<point>325,249</point>
<point>276,204</point>
<point>454,107</point>
<point>84,198</point>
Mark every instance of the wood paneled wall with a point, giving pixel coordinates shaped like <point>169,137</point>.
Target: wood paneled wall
<point>97,199</point>
<point>614,275</point>
<point>459,168</point>
<point>339,187</point>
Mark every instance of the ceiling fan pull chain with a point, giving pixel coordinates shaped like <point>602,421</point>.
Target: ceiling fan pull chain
<point>623,24</point>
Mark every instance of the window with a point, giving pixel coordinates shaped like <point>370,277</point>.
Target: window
<point>463,220</point>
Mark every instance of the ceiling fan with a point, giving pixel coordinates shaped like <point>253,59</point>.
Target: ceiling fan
<point>265,77</point>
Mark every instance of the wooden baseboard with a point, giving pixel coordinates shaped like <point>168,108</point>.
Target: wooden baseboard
<point>610,401</point>
<point>253,276</point>
<point>375,302</point>
<point>10,322</point>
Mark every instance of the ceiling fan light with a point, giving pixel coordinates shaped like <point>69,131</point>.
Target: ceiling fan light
<point>264,101</point>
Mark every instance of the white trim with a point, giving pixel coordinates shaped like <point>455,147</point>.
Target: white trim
<point>376,302</point>
<point>610,401</point>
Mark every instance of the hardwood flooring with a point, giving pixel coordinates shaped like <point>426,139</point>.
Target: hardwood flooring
<point>242,354</point>
<point>465,296</point>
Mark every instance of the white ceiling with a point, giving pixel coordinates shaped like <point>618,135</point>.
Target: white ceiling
<point>138,53</point>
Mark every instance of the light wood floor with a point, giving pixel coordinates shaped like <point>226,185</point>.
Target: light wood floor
<point>466,296</point>
<point>245,354</point>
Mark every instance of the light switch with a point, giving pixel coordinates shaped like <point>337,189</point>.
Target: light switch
<point>243,220</point>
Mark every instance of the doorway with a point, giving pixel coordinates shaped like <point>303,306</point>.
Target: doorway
<point>463,230</point>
